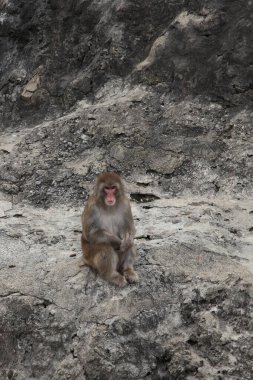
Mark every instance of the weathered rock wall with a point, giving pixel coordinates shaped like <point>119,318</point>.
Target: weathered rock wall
<point>54,53</point>
<point>155,56</point>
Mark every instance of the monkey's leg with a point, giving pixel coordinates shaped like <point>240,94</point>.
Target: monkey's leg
<point>127,263</point>
<point>86,250</point>
<point>106,263</point>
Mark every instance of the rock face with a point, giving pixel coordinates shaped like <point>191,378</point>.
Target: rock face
<point>160,92</point>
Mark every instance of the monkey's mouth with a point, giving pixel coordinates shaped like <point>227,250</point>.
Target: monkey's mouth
<point>110,202</point>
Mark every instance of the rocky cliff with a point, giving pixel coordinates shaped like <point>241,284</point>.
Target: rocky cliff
<point>160,92</point>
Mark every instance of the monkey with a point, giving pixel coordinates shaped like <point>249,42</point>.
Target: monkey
<point>108,231</point>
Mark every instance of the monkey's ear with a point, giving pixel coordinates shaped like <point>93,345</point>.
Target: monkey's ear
<point>98,187</point>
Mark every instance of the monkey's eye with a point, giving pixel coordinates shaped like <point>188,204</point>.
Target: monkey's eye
<point>110,188</point>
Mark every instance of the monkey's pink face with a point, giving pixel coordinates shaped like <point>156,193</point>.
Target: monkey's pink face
<point>110,195</point>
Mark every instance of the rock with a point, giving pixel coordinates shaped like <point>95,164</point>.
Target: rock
<point>250,353</point>
<point>32,86</point>
<point>165,165</point>
<point>160,92</point>
<point>4,206</point>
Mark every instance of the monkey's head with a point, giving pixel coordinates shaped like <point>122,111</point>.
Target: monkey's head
<point>109,188</point>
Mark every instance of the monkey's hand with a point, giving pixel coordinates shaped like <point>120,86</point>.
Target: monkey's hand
<point>112,239</point>
<point>104,237</point>
<point>115,241</point>
<point>126,243</point>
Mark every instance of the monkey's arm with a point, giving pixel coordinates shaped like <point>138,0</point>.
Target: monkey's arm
<point>92,231</point>
<point>128,231</point>
<point>103,237</point>
<point>129,228</point>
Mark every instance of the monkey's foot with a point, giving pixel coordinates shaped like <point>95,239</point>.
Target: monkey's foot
<point>118,280</point>
<point>130,275</point>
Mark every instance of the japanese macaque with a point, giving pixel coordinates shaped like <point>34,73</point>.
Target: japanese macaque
<point>108,231</point>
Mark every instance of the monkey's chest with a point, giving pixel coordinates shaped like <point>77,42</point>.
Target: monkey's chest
<point>112,223</point>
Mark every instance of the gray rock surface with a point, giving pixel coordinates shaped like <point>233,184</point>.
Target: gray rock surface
<point>160,92</point>
<point>189,317</point>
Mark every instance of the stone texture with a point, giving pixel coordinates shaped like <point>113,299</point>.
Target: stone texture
<point>160,92</point>
<point>189,317</point>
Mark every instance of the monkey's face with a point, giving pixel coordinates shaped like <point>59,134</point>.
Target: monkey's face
<point>109,189</point>
<point>110,193</point>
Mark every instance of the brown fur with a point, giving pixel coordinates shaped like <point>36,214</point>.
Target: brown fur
<point>108,233</point>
